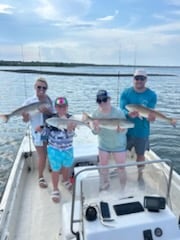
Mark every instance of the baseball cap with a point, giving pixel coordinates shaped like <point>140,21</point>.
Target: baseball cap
<point>61,101</point>
<point>102,93</point>
<point>102,96</point>
<point>140,72</point>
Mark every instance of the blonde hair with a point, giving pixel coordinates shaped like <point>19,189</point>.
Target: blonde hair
<point>43,80</point>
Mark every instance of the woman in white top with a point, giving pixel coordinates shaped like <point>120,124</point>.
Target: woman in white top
<point>38,119</point>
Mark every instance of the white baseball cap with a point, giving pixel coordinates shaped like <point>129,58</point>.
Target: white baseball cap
<point>140,72</point>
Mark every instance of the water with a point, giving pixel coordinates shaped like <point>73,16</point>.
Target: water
<point>81,92</point>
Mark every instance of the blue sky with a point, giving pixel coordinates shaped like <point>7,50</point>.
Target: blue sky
<point>91,31</point>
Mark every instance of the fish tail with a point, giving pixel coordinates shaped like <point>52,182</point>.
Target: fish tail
<point>5,117</point>
<point>85,117</point>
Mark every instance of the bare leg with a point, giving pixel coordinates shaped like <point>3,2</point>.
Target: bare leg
<point>65,174</point>
<point>55,180</point>
<point>120,157</point>
<point>140,158</point>
<point>104,173</point>
<point>42,153</point>
<point>55,195</point>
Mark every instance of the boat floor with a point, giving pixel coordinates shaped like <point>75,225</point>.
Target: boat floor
<point>39,217</point>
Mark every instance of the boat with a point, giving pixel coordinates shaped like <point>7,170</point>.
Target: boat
<point>146,211</point>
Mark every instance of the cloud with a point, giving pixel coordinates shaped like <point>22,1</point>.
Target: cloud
<point>108,18</point>
<point>173,2</point>
<point>88,31</point>
<point>6,9</point>
<point>62,9</point>
<point>167,28</point>
<point>46,10</point>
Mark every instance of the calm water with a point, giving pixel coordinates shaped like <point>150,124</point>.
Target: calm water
<point>81,92</point>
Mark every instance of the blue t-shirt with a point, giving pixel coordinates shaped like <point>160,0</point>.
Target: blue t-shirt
<point>148,99</point>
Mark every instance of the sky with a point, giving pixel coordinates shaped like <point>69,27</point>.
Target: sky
<point>139,32</point>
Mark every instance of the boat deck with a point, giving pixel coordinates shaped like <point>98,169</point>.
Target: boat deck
<point>27,211</point>
<point>39,217</point>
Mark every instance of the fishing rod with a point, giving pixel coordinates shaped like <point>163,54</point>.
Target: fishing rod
<point>119,75</point>
<point>27,154</point>
<point>118,88</point>
<point>40,67</point>
<point>24,78</point>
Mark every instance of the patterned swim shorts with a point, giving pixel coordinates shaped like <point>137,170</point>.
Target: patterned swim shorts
<point>59,158</point>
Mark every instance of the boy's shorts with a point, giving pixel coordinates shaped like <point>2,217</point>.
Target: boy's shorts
<point>59,158</point>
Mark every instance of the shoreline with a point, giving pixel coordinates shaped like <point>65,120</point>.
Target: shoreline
<point>17,63</point>
<point>32,71</point>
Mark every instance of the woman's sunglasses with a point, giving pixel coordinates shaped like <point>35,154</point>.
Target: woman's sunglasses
<point>141,78</point>
<point>41,87</point>
<point>102,99</point>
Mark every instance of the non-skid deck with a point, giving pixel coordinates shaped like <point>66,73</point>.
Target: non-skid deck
<point>39,217</point>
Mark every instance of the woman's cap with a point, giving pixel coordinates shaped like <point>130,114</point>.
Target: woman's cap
<point>102,94</point>
<point>61,101</point>
<point>140,72</point>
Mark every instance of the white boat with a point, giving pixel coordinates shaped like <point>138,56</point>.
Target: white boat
<point>150,212</point>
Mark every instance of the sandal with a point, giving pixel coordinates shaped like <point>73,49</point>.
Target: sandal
<point>55,196</point>
<point>68,185</point>
<point>43,183</point>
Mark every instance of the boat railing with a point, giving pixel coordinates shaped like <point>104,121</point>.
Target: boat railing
<point>78,219</point>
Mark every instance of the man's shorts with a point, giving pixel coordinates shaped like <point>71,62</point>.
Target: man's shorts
<point>59,158</point>
<point>140,144</point>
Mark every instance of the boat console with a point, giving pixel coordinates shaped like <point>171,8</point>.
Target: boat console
<point>129,218</point>
<point>131,213</point>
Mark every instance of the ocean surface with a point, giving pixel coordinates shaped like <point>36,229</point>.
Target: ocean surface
<point>81,93</point>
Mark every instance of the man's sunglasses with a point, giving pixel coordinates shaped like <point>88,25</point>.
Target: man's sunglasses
<point>102,99</point>
<point>141,78</point>
<point>41,87</point>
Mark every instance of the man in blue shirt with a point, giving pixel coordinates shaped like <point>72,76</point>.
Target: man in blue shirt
<point>138,137</point>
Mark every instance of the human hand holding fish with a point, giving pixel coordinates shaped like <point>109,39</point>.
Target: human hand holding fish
<point>71,126</point>
<point>45,109</point>
<point>133,114</point>
<point>151,116</point>
<point>95,125</point>
<point>26,116</point>
<point>120,129</point>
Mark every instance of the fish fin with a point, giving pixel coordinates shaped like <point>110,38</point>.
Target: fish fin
<point>5,117</point>
<point>173,122</point>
